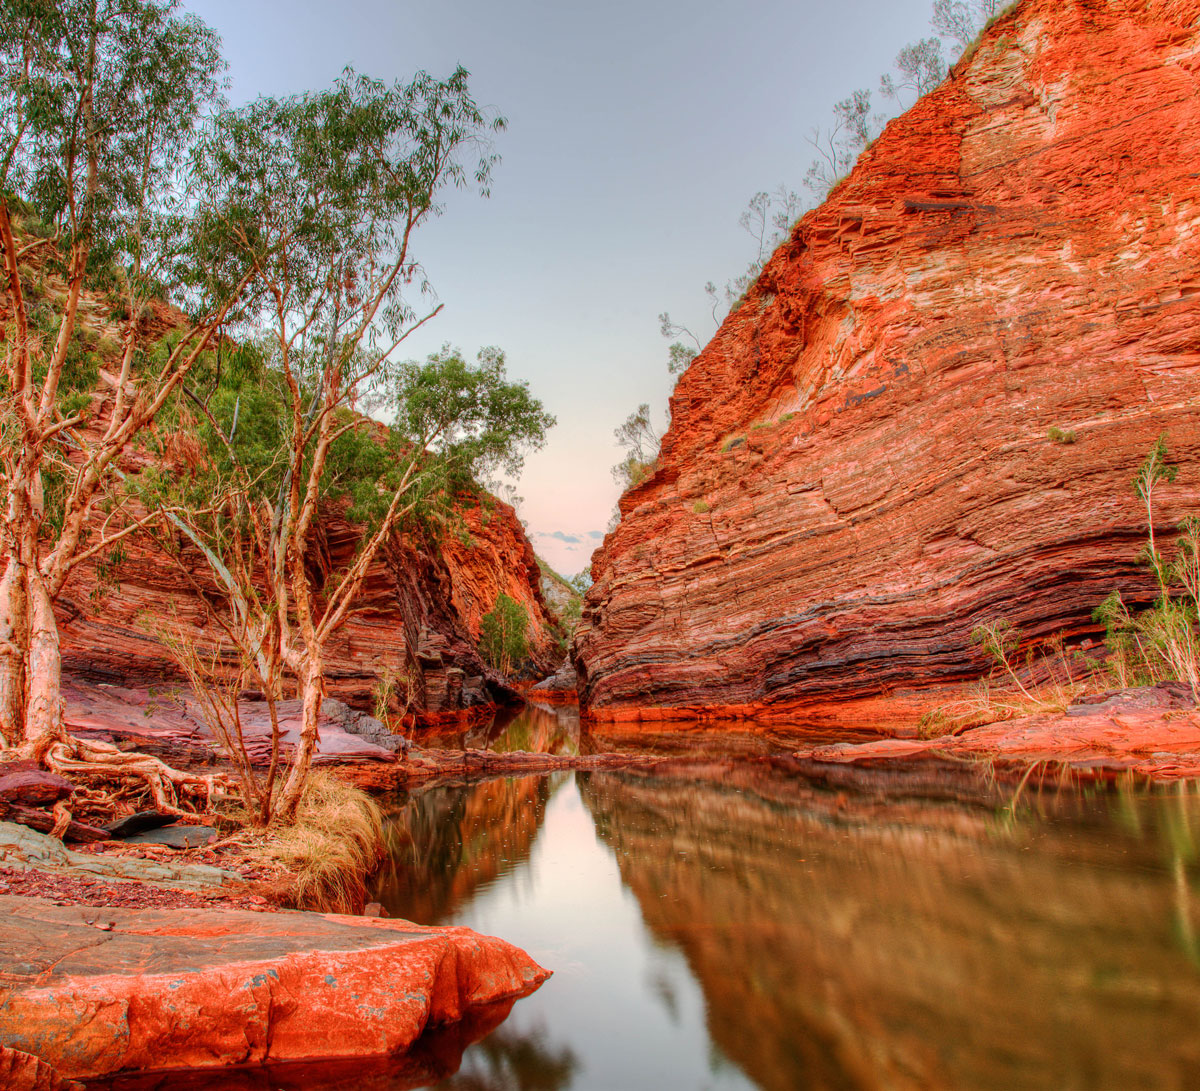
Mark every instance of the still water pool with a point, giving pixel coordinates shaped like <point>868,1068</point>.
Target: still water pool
<point>751,928</point>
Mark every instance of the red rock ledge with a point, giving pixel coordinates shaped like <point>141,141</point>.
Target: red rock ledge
<point>1100,742</point>
<point>95,991</point>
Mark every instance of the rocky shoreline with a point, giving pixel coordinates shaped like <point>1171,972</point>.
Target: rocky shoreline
<point>91,992</point>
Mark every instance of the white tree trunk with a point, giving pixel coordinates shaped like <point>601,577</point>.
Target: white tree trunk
<point>14,646</point>
<point>314,693</point>
<point>44,711</point>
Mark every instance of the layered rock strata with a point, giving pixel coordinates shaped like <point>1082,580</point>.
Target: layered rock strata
<point>93,991</point>
<point>928,410</point>
<point>417,617</point>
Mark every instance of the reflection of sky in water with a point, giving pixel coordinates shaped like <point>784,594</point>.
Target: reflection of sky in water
<point>636,1010</point>
<point>751,928</point>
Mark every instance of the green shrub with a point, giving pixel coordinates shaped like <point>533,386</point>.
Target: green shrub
<point>732,442</point>
<point>700,507</point>
<point>1163,642</point>
<point>1061,435</point>
<point>504,634</point>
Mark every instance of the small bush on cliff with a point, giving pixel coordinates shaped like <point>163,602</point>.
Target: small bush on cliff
<point>1163,642</point>
<point>504,634</point>
<point>1060,435</point>
<point>640,440</point>
<point>1009,691</point>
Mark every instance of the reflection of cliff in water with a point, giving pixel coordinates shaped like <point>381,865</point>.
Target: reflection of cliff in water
<point>536,729</point>
<point>446,844</point>
<point>937,948</point>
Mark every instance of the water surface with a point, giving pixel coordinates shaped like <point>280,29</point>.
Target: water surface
<point>752,929</point>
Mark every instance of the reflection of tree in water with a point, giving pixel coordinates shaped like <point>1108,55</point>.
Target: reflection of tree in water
<point>446,843</point>
<point>507,1061</point>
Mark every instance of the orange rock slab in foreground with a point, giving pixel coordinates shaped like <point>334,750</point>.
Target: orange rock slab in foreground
<point>863,464</point>
<point>93,991</point>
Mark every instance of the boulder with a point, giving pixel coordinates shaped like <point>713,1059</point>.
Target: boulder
<point>92,992</point>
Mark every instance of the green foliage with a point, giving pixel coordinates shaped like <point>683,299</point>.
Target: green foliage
<point>477,420</point>
<point>641,442</point>
<point>700,507</point>
<point>98,103</point>
<point>732,443</point>
<point>1060,435</point>
<point>503,634</point>
<point>1163,641</point>
<point>323,192</point>
<point>482,420</point>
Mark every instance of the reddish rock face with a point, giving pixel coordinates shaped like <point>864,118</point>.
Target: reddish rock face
<point>860,466</point>
<point>92,991</point>
<point>420,611</point>
<point>21,1072</point>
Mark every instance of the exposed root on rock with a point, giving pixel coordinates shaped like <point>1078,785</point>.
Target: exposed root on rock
<point>62,819</point>
<point>170,788</point>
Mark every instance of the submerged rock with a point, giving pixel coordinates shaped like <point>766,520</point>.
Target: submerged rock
<point>93,992</point>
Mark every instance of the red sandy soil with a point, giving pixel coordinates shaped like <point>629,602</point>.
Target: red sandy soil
<point>73,890</point>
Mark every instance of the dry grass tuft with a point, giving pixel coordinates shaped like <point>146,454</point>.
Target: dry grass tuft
<point>990,704</point>
<point>326,856</point>
<point>1011,697</point>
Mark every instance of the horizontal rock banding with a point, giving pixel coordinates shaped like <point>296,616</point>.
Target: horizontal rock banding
<point>861,466</point>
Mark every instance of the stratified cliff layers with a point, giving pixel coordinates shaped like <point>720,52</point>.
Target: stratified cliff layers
<point>928,410</point>
<point>417,618</point>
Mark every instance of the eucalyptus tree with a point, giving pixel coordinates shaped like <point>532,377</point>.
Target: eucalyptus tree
<point>322,193</point>
<point>99,102</point>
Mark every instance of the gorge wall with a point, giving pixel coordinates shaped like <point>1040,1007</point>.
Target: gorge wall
<point>860,466</point>
<point>418,614</point>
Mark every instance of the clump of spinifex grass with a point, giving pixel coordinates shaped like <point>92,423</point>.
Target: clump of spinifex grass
<point>1004,695</point>
<point>326,855</point>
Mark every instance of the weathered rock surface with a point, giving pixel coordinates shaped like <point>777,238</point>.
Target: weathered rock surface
<point>22,849</point>
<point>1117,736</point>
<point>21,1072</point>
<point>559,687</point>
<point>185,989</point>
<point>418,614</point>
<point>860,466</point>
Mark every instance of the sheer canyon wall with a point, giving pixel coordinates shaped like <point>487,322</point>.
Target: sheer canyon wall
<point>928,410</point>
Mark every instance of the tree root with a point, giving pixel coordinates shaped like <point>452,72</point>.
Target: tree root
<point>62,819</point>
<point>169,787</point>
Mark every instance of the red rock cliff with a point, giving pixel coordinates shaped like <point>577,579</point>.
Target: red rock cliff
<point>419,612</point>
<point>859,467</point>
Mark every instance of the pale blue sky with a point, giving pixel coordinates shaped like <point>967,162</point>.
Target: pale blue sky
<point>637,133</point>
